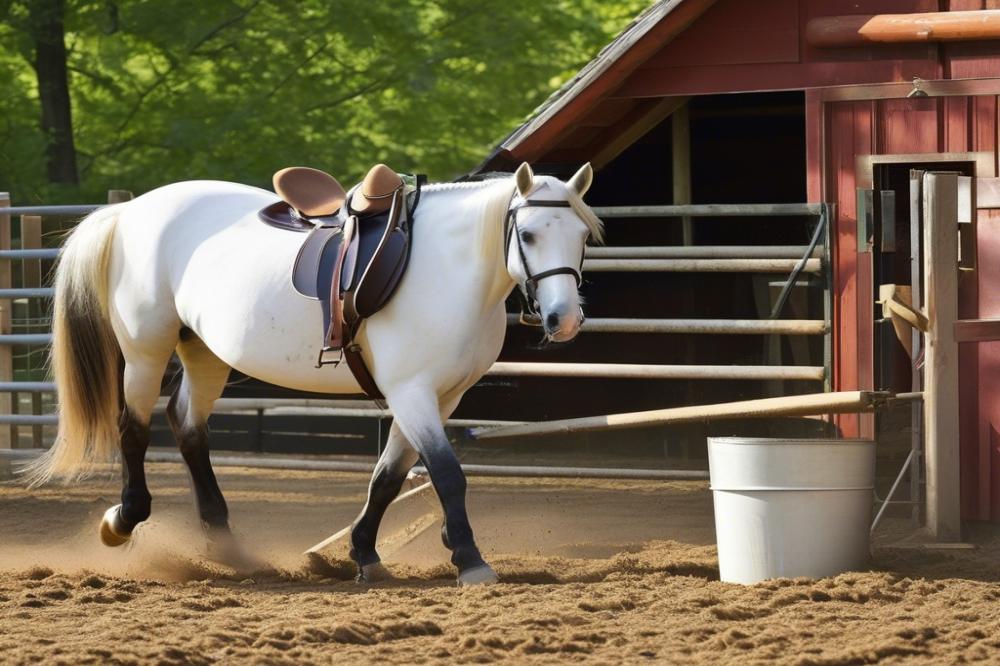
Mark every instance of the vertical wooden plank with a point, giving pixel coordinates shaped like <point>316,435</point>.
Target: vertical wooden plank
<point>680,124</point>
<point>941,406</point>
<point>917,342</point>
<point>119,196</point>
<point>988,441</point>
<point>6,353</point>
<point>815,124</point>
<point>31,276</point>
<point>956,125</point>
<point>981,447</point>
<point>850,133</point>
<point>910,125</point>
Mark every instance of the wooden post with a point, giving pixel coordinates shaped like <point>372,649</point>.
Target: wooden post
<point>940,236</point>
<point>119,196</point>
<point>7,440</point>
<point>31,276</point>
<point>681,149</point>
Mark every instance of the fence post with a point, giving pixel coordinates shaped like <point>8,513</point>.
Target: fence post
<point>31,276</point>
<point>119,196</point>
<point>7,438</point>
<point>940,204</point>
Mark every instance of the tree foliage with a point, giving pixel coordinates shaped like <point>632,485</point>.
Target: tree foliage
<point>235,89</point>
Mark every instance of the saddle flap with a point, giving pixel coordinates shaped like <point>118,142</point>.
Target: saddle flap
<point>384,275</point>
<point>312,192</point>
<point>314,264</point>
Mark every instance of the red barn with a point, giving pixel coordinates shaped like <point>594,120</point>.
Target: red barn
<point>743,101</point>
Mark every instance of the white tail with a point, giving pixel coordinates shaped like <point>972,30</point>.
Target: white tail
<point>85,356</point>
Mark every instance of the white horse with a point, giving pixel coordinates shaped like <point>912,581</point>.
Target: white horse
<point>188,268</point>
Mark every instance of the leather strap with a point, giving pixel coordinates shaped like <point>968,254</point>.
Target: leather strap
<point>335,333</point>
<point>356,362</point>
<point>526,292</point>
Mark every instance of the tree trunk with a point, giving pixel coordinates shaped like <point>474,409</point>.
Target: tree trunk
<point>48,35</point>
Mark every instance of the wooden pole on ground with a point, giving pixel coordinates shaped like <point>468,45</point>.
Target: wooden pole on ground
<point>812,404</point>
<point>7,433</point>
<point>940,203</point>
<point>31,276</point>
<point>414,486</point>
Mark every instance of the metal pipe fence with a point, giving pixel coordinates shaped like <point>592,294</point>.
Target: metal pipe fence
<point>662,259</point>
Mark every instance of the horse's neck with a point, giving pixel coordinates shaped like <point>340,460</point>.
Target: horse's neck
<point>454,218</point>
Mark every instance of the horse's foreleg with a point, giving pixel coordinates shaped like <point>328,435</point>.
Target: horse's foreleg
<point>387,479</point>
<point>419,417</point>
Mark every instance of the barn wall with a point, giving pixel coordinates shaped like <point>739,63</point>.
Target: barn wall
<point>906,126</point>
<point>739,46</point>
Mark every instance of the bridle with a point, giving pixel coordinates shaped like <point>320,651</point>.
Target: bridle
<point>528,289</point>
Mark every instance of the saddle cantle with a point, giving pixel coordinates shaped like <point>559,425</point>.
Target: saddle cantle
<point>353,257</point>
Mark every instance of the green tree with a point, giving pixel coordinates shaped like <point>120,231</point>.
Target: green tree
<point>234,90</point>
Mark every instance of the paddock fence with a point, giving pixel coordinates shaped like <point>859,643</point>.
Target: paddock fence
<point>27,401</point>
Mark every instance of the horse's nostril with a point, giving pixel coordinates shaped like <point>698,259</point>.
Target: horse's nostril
<point>552,321</point>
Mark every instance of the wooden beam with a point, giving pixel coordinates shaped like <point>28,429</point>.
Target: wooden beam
<point>634,127</point>
<point>680,129</point>
<point>31,276</point>
<point>859,30</point>
<point>977,330</point>
<point>941,425</point>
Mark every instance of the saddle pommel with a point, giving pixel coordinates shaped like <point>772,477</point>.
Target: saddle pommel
<point>313,193</point>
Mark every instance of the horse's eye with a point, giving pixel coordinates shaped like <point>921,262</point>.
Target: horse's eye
<point>527,237</point>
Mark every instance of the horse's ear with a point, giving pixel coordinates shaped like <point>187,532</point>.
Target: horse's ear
<point>525,179</point>
<point>581,180</point>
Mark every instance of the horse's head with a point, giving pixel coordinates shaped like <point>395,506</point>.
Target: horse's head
<point>548,226</point>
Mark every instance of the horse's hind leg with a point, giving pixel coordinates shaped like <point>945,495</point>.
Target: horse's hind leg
<point>202,383</point>
<point>141,387</point>
<point>387,479</point>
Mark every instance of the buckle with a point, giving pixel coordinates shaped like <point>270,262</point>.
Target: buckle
<point>320,361</point>
<point>530,319</point>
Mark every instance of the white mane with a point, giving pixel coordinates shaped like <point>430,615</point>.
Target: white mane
<point>496,197</point>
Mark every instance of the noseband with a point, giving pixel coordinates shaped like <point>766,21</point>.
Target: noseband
<point>528,290</point>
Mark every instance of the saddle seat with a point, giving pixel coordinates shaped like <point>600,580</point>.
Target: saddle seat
<point>355,250</point>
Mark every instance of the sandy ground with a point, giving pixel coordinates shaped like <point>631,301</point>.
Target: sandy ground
<point>605,572</point>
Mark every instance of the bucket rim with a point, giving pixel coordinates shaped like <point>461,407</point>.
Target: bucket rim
<point>789,440</point>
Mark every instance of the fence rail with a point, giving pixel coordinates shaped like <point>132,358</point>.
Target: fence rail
<point>711,210</point>
<point>700,326</point>
<point>790,259</point>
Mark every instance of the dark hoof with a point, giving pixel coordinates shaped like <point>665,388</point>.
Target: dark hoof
<point>481,575</point>
<point>373,573</point>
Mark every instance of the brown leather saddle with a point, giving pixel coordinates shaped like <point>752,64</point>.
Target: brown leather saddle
<point>355,251</point>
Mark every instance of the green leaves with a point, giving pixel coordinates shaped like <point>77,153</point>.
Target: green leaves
<point>235,90</point>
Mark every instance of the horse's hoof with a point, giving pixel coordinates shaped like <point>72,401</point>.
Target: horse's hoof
<point>483,575</point>
<point>111,531</point>
<point>373,573</point>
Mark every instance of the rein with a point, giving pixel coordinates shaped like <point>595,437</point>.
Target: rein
<point>528,289</point>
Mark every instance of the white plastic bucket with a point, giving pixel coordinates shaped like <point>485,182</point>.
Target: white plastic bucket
<point>791,507</point>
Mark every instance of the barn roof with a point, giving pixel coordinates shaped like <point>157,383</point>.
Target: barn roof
<point>637,42</point>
